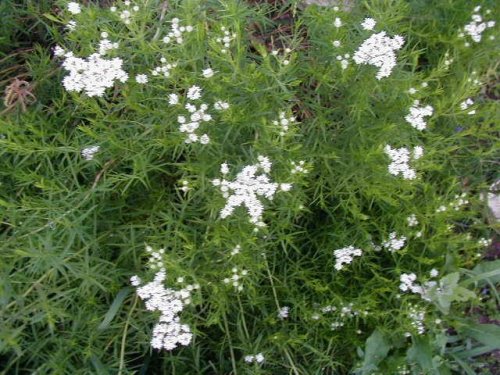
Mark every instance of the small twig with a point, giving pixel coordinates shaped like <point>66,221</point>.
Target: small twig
<point>124,337</point>
<point>164,7</point>
<point>106,166</point>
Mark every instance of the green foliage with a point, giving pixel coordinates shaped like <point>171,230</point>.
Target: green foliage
<point>73,231</point>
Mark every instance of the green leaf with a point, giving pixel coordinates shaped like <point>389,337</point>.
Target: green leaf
<point>52,18</point>
<point>486,272</point>
<point>115,306</point>
<point>487,334</point>
<point>376,349</point>
<point>421,353</point>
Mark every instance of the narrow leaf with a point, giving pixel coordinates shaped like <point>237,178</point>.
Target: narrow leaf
<point>115,306</point>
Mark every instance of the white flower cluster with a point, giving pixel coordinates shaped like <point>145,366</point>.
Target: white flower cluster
<point>417,114</point>
<point>345,256</point>
<point>408,283</point>
<point>344,60</point>
<point>235,279</point>
<point>417,317</point>
<point>368,23</point>
<point>194,93</point>
<point>126,14</point>
<point>197,116</point>
<point>284,122</point>
<point>285,59</point>
<point>345,312</point>
<point>219,105</point>
<point>247,187</point>
<point>400,158</point>
<point>89,152</point>
<point>299,167</point>
<point>283,312</point>
<point>74,8</point>
<point>168,333</point>
<point>141,78</point>
<point>378,50</point>
<point>485,242</point>
<point>226,39</point>
<point>92,75</point>
<point>236,250</point>
<point>476,27</point>
<point>466,104</point>
<point>176,32</point>
<point>164,68</point>
<point>412,220</point>
<point>71,25</point>
<point>106,45</point>
<point>394,243</point>
<point>460,200</point>
<point>257,358</point>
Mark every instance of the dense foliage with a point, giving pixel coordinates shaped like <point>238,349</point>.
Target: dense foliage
<point>310,180</point>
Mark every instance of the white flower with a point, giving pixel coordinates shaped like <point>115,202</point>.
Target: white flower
<point>417,114</point>
<point>434,272</point>
<point>400,158</point>
<point>258,358</point>
<point>59,51</point>
<point>378,50</point>
<point>173,99</point>
<point>74,8</point>
<point>236,279</point>
<point>92,75</point>
<point>368,24</point>
<point>106,45</point>
<point>345,256</point>
<point>337,22</point>
<point>204,139</point>
<point>418,152</point>
<point>412,220</point>
<point>220,105</point>
<point>417,319</point>
<point>194,93</point>
<point>476,27</point>
<point>299,168</point>
<point>168,333</point>
<point>135,280</point>
<point>283,312</point>
<point>336,43</point>
<point>208,73</point>
<point>196,117</point>
<point>394,243</point>
<point>176,32</point>
<point>71,25</point>
<point>165,68</point>
<point>89,152</point>
<point>408,283</point>
<point>141,78</point>
<point>247,188</point>
<point>466,104</point>
<point>236,250</point>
